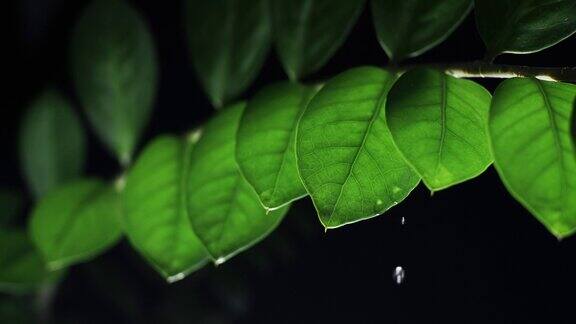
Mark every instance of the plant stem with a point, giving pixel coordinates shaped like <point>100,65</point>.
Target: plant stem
<point>479,69</point>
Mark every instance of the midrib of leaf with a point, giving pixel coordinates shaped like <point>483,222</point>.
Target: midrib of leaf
<point>557,143</point>
<point>443,102</point>
<point>380,103</point>
<point>226,53</point>
<point>228,210</point>
<point>301,36</point>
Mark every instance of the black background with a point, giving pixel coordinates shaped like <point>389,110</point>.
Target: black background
<point>472,254</point>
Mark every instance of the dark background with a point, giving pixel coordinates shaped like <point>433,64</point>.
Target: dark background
<point>472,254</point>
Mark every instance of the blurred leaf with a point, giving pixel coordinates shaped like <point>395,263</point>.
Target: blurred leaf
<point>345,153</point>
<point>76,222</point>
<point>439,123</point>
<point>156,218</point>
<point>408,28</point>
<point>224,209</point>
<point>115,73</point>
<point>52,143</point>
<point>21,267</point>
<point>16,310</point>
<point>10,205</point>
<point>529,129</point>
<point>265,142</point>
<point>229,40</point>
<point>527,26</point>
<point>308,32</point>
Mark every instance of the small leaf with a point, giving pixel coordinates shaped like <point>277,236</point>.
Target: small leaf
<point>52,143</point>
<point>10,206</point>
<point>345,153</point>
<point>309,32</point>
<point>21,267</point>
<point>76,222</point>
<point>229,41</point>
<point>265,147</point>
<point>408,28</point>
<point>530,133</point>
<point>439,123</point>
<point>115,71</point>
<point>224,209</point>
<point>156,218</point>
<point>527,26</point>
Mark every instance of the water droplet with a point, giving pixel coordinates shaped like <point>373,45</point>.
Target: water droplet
<point>176,277</point>
<point>399,275</point>
<point>219,261</point>
<point>403,221</point>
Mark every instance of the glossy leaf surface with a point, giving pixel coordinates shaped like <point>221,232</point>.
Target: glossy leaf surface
<point>407,28</point>
<point>530,133</point>
<point>155,213</point>
<point>115,71</point>
<point>265,147</point>
<point>21,267</point>
<point>512,26</point>
<point>346,156</point>
<point>76,222</point>
<point>308,32</point>
<point>439,123</point>
<point>224,209</point>
<point>52,143</point>
<point>229,40</point>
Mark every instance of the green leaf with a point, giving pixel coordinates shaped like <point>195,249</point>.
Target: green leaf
<point>309,32</point>
<point>52,143</point>
<point>439,123</point>
<point>115,73</point>
<point>155,213</point>
<point>76,222</point>
<point>224,209</point>
<point>345,153</point>
<point>229,41</point>
<point>530,133</point>
<point>266,137</point>
<point>10,206</point>
<point>527,26</point>
<point>21,267</point>
<point>408,28</point>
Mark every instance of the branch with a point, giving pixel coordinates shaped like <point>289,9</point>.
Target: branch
<point>479,69</point>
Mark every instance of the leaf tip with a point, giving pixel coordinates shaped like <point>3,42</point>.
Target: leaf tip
<point>174,278</point>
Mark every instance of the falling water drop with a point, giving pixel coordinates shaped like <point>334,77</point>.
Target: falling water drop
<point>399,275</point>
<point>403,221</point>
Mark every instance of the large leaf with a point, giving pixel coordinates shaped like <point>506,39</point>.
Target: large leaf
<point>115,71</point>
<point>156,218</point>
<point>229,40</point>
<point>345,153</point>
<point>224,209</point>
<point>308,32</point>
<point>10,206</point>
<point>21,267</point>
<point>265,147</point>
<point>513,26</point>
<point>530,133</point>
<point>76,222</point>
<point>52,143</point>
<point>407,28</point>
<point>439,123</point>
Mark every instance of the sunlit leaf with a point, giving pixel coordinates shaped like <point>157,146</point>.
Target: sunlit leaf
<point>115,70</point>
<point>439,123</point>
<point>21,267</point>
<point>526,26</point>
<point>530,133</point>
<point>10,205</point>
<point>345,153</point>
<point>265,147</point>
<point>407,28</point>
<point>156,218</point>
<point>229,40</point>
<point>308,32</point>
<point>76,222</point>
<point>52,143</point>
<point>224,210</point>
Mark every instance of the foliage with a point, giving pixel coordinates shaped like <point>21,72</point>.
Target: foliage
<point>357,145</point>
